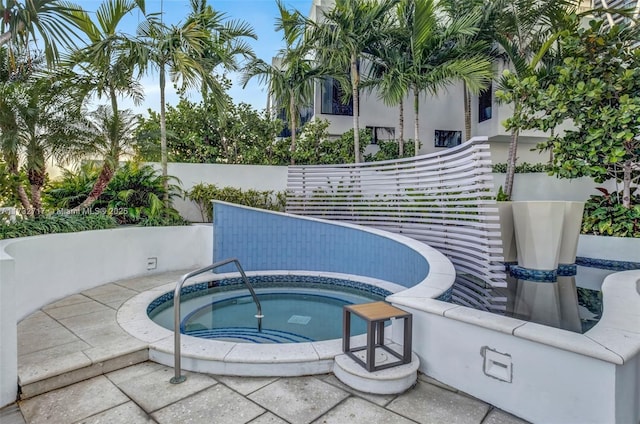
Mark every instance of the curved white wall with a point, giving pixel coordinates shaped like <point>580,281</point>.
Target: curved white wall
<point>35,271</point>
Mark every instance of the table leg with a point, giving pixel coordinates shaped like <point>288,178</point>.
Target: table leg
<point>346,330</point>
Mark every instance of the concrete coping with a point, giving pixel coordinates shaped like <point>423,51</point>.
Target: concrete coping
<point>614,339</point>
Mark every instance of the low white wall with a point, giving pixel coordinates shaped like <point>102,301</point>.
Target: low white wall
<point>35,271</point>
<point>257,177</point>
<point>612,248</point>
<point>540,186</point>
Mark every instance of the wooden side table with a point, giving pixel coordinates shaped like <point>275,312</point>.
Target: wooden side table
<point>375,314</point>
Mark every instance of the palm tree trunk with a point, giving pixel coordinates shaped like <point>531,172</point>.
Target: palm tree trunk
<point>467,112</point>
<point>626,184</point>
<point>106,174</point>
<point>511,164</point>
<point>355,80</point>
<point>163,138</point>
<point>416,126</point>
<point>36,181</point>
<point>512,156</point>
<point>401,130</point>
<point>12,166</point>
<point>292,126</point>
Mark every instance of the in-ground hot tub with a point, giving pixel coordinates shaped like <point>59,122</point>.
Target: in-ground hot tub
<point>296,308</point>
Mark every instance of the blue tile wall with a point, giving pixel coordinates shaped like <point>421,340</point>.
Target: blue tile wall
<point>266,241</point>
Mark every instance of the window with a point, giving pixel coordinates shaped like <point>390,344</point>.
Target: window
<point>306,112</point>
<point>381,134</point>
<point>332,93</point>
<point>445,138</point>
<point>484,105</point>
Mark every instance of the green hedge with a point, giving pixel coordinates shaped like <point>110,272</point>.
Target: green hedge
<point>55,224</point>
<point>203,194</point>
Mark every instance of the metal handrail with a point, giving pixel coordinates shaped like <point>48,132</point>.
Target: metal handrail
<point>178,378</point>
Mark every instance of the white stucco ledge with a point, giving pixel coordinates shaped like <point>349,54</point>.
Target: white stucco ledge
<point>619,327</point>
<point>615,339</point>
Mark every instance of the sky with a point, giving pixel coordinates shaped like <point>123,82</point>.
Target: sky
<point>260,14</point>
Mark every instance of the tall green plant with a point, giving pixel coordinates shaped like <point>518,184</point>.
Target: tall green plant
<point>527,33</point>
<point>597,89</point>
<point>343,38</point>
<point>290,80</point>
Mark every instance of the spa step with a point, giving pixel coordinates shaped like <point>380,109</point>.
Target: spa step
<point>248,334</point>
<point>59,374</point>
<point>392,380</point>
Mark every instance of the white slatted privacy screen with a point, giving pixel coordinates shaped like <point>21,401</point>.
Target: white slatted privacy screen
<point>445,199</point>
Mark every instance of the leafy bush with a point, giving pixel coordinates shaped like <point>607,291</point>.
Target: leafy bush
<point>56,223</point>
<point>522,168</point>
<point>389,150</point>
<point>202,194</point>
<point>133,196</point>
<point>606,216</point>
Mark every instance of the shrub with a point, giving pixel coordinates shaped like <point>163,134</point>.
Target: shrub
<point>605,215</point>
<point>522,168</point>
<point>389,150</point>
<point>56,223</point>
<point>133,196</point>
<point>202,194</point>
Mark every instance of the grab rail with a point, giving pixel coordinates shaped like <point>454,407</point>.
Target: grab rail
<point>177,378</point>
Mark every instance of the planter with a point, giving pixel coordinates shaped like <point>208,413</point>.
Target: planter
<point>505,211</point>
<point>538,231</point>
<point>547,233</point>
<point>570,232</point>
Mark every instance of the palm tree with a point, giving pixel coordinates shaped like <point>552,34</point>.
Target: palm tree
<point>457,9</point>
<point>109,136</point>
<point>49,21</point>
<point>389,72</point>
<point>9,140</point>
<point>442,50</point>
<point>526,31</point>
<point>188,53</point>
<point>290,79</point>
<point>38,120</point>
<point>226,38</point>
<point>106,67</point>
<point>344,38</point>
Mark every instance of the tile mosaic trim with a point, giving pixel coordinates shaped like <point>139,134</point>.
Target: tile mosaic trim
<point>270,281</point>
<point>541,276</point>
<point>607,264</point>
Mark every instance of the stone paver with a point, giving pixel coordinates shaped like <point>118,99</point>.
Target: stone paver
<point>77,309</point>
<point>154,391</point>
<point>111,295</point>
<point>218,404</point>
<point>42,332</point>
<point>245,385</point>
<point>127,413</point>
<point>136,371</point>
<point>268,418</point>
<point>299,400</point>
<point>12,415</point>
<point>359,411</point>
<point>497,416</point>
<point>380,400</point>
<point>426,403</point>
<point>73,403</point>
<point>53,361</point>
